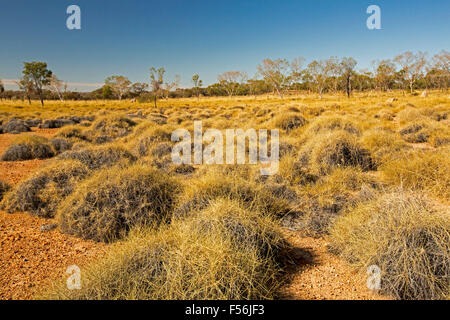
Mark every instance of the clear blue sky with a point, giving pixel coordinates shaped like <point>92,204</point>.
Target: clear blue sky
<point>209,37</point>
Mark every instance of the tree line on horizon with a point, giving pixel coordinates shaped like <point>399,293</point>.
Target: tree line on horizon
<point>408,71</point>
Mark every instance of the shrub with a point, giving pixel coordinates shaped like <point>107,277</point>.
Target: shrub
<point>421,170</point>
<point>107,205</point>
<point>336,149</point>
<point>405,237</point>
<point>28,147</point>
<point>44,190</point>
<point>100,157</point>
<point>224,252</point>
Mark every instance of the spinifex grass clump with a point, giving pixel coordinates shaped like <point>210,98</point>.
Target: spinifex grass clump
<point>328,123</point>
<point>383,144</point>
<point>143,142</point>
<point>110,127</point>
<point>108,204</point>
<point>223,252</point>
<point>406,237</point>
<point>200,192</point>
<point>99,157</point>
<point>327,151</point>
<point>320,203</point>
<point>421,170</point>
<point>289,121</point>
<point>44,190</point>
<point>4,188</point>
<point>28,147</point>
<point>74,132</point>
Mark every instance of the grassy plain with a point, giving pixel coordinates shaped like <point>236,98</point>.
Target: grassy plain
<point>370,174</point>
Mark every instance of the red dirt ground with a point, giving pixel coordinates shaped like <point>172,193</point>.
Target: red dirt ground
<point>29,258</point>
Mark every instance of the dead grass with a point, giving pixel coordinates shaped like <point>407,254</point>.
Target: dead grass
<point>406,237</point>
<point>224,252</point>
<point>201,191</point>
<point>108,204</point>
<point>27,147</point>
<point>4,188</point>
<point>327,151</point>
<point>100,157</point>
<point>42,193</point>
<point>422,171</point>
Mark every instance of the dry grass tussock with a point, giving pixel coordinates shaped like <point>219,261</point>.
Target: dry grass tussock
<point>327,151</point>
<point>110,127</point>
<point>222,252</point>
<point>112,201</point>
<point>383,145</point>
<point>42,193</point>
<point>406,237</point>
<point>4,188</point>
<point>289,121</point>
<point>28,147</point>
<point>201,191</point>
<point>421,170</point>
<point>321,202</point>
<point>100,157</point>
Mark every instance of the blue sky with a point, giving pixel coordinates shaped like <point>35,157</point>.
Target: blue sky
<point>208,37</point>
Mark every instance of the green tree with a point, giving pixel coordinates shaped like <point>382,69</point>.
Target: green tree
<point>107,92</point>
<point>120,85</point>
<point>38,75</point>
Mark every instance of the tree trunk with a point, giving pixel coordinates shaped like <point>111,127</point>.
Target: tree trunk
<point>348,86</point>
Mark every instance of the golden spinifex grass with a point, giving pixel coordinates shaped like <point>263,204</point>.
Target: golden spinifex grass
<point>42,193</point>
<point>107,205</point>
<point>201,191</point>
<point>221,252</point>
<point>326,151</point>
<point>338,157</point>
<point>421,170</point>
<point>100,157</point>
<point>29,146</point>
<point>4,188</point>
<point>406,236</point>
